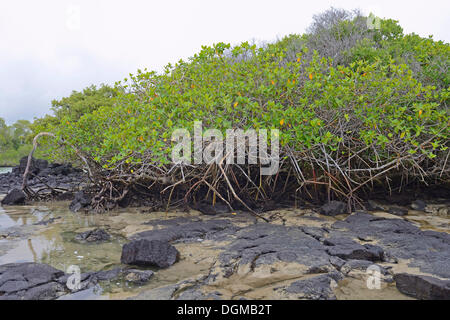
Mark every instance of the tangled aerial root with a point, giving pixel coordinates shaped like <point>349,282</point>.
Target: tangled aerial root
<point>316,175</point>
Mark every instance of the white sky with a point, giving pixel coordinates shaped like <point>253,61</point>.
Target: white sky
<point>49,48</point>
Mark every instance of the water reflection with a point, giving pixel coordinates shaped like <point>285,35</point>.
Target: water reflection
<point>54,244</point>
<point>5,169</point>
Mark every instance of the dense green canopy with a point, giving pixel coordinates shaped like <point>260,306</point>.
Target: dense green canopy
<point>355,105</point>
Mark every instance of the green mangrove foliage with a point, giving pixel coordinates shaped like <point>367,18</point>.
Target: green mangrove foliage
<point>370,108</point>
<point>70,110</point>
<point>14,141</point>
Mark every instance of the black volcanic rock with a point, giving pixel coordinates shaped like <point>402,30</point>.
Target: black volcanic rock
<point>81,201</point>
<point>14,197</point>
<point>423,287</point>
<point>149,253</point>
<point>398,211</point>
<point>333,208</point>
<point>45,177</point>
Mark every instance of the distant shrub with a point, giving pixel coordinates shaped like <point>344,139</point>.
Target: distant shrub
<point>336,31</point>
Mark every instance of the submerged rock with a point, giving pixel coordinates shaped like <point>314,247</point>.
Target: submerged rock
<point>97,235</point>
<point>46,222</point>
<point>149,253</point>
<point>423,287</point>
<point>14,197</point>
<point>138,276</point>
<point>161,293</point>
<point>333,208</point>
<point>107,274</point>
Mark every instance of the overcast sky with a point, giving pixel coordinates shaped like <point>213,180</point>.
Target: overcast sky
<point>49,48</point>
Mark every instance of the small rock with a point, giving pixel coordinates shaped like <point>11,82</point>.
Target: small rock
<point>108,274</point>
<point>333,208</point>
<point>361,265</point>
<point>418,205</point>
<point>317,288</point>
<point>398,211</point>
<point>46,291</point>
<point>211,210</point>
<point>337,262</point>
<point>81,201</point>
<point>138,276</point>
<point>14,197</point>
<point>320,268</point>
<point>96,235</point>
<point>161,293</point>
<point>443,212</point>
<point>389,257</point>
<point>423,287</point>
<point>149,253</point>
<point>46,222</point>
<point>350,250</point>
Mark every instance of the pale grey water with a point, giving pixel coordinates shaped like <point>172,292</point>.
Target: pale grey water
<point>5,169</point>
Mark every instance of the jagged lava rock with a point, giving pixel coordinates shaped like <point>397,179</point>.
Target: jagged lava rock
<point>423,287</point>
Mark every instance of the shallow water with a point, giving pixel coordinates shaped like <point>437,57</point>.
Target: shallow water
<point>5,169</point>
<point>53,244</point>
<point>23,241</point>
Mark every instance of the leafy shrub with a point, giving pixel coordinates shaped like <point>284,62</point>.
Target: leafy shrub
<point>345,123</point>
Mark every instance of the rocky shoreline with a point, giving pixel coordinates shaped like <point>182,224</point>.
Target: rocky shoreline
<point>318,253</point>
<point>302,262</point>
<point>45,177</point>
<point>36,281</point>
<point>300,254</point>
